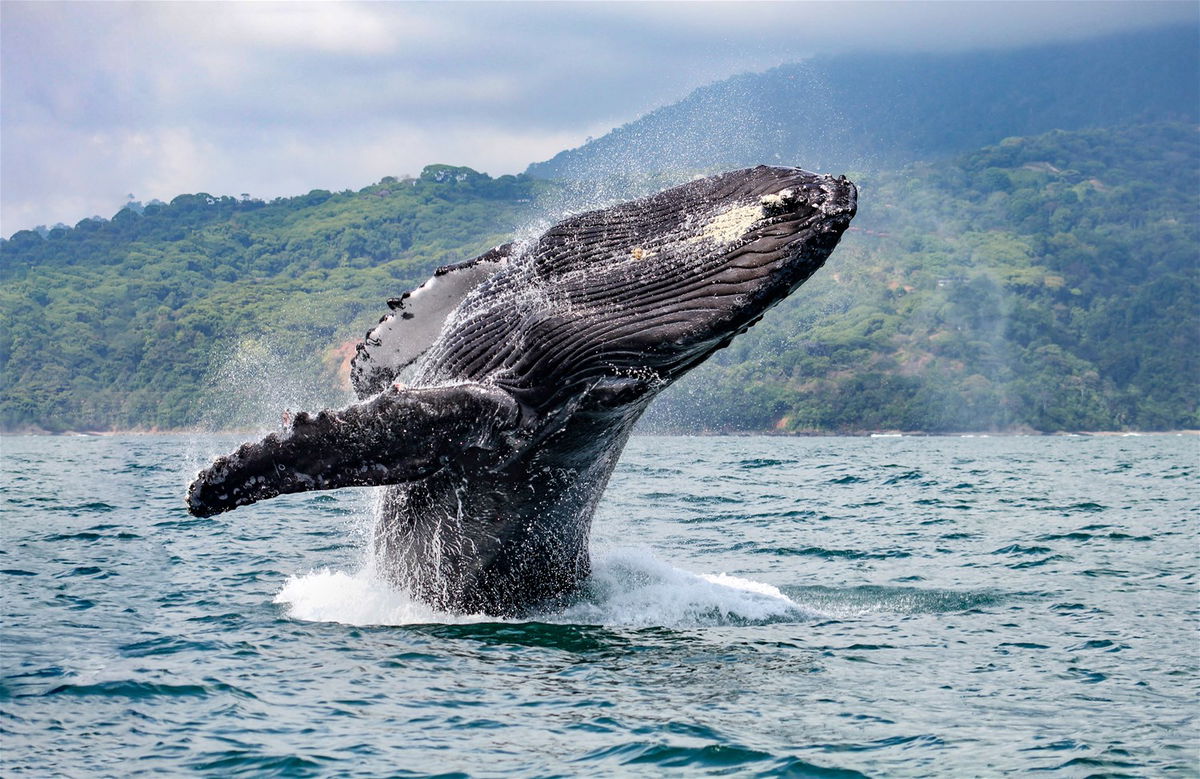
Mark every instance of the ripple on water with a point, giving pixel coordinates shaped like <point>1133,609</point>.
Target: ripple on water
<point>235,762</point>
<point>759,607</point>
<point>867,599</point>
<point>130,689</point>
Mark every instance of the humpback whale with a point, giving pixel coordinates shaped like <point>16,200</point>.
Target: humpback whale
<point>496,398</point>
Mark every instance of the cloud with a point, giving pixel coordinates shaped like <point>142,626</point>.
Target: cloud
<point>98,100</point>
<point>164,162</point>
<point>304,28</point>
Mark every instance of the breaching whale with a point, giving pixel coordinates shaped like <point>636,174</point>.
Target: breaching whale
<point>524,371</point>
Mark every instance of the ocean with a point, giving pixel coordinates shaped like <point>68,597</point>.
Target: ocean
<point>827,607</point>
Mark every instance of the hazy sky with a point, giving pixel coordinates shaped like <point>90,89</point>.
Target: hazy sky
<point>154,99</point>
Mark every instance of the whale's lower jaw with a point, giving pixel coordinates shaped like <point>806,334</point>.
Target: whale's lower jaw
<point>643,290</point>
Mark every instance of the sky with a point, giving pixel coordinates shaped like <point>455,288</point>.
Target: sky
<point>100,101</point>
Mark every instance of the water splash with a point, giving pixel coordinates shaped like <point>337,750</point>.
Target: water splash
<point>628,587</point>
<point>251,385</point>
<point>633,587</point>
<point>354,599</point>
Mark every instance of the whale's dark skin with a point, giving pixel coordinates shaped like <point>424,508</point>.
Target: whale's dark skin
<point>530,366</point>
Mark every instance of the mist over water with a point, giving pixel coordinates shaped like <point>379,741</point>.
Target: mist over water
<point>760,606</point>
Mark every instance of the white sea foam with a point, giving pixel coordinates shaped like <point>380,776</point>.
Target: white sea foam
<point>633,587</point>
<point>358,598</point>
<point>628,587</point>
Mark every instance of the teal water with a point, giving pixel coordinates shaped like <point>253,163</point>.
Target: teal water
<point>761,607</point>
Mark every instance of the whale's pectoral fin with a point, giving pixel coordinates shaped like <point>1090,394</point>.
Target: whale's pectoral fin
<point>416,319</point>
<point>397,436</point>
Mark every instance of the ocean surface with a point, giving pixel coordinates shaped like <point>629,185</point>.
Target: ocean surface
<point>828,607</point>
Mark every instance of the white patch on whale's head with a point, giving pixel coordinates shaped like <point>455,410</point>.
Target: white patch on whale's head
<point>729,225</point>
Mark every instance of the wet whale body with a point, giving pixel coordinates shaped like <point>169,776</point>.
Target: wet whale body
<point>497,397</point>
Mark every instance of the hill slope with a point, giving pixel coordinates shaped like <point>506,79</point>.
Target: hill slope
<point>1046,283</point>
<point>882,111</point>
<point>1042,283</point>
<point>209,308</point>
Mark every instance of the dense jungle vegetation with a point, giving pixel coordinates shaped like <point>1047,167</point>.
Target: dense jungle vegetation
<point>206,309</point>
<point>1045,283</point>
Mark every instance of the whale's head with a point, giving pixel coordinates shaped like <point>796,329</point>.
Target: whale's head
<point>631,297</point>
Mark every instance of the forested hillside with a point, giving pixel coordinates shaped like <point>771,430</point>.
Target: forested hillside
<point>881,111</point>
<point>165,318</point>
<point>1045,283</point>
